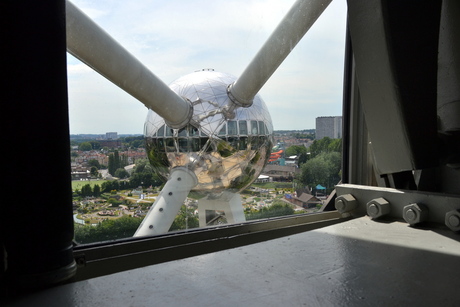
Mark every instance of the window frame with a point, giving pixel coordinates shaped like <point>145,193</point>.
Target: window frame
<point>108,257</point>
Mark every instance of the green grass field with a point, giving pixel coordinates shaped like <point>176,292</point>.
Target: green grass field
<point>273,185</point>
<point>77,184</point>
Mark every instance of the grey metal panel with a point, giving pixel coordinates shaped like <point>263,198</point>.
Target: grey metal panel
<point>397,86</point>
<point>388,264</point>
<point>449,68</point>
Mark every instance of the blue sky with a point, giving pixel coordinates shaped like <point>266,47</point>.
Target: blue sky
<point>174,38</point>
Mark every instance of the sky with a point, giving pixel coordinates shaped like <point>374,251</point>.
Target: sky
<point>176,37</point>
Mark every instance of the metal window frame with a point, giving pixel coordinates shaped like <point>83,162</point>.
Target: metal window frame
<point>110,257</point>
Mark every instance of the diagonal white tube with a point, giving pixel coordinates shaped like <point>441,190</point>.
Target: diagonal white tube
<point>289,32</point>
<point>165,208</point>
<point>93,46</point>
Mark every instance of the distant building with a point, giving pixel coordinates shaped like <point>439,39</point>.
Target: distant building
<point>111,135</point>
<point>82,175</point>
<point>280,173</point>
<point>306,201</point>
<point>110,143</point>
<point>329,126</point>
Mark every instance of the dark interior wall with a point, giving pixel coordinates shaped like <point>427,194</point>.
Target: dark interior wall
<point>36,227</point>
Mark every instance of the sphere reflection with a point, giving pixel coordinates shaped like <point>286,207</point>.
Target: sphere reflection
<point>223,153</point>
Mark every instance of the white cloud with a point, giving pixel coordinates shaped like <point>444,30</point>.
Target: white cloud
<point>173,38</point>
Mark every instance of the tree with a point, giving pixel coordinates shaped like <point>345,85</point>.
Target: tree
<point>323,169</point>
<point>95,145</point>
<point>185,219</point>
<point>96,190</point>
<point>335,146</point>
<point>303,157</point>
<point>295,150</point>
<point>86,190</point>
<point>123,227</point>
<point>85,146</point>
<point>93,171</point>
<point>319,146</point>
<point>278,208</point>
<point>114,162</point>
<point>111,185</point>
<point>116,158</point>
<point>144,175</point>
<point>325,145</point>
<point>123,160</point>
<point>121,173</point>
<point>95,163</point>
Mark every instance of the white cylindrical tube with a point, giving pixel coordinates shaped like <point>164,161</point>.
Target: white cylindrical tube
<point>165,208</point>
<point>292,28</point>
<point>93,46</point>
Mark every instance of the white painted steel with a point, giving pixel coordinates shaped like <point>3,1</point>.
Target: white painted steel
<point>289,32</point>
<point>165,208</point>
<point>93,46</point>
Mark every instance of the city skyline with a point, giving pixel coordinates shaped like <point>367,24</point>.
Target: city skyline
<point>175,38</point>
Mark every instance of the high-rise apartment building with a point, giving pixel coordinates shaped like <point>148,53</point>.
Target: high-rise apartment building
<point>111,136</point>
<point>329,126</point>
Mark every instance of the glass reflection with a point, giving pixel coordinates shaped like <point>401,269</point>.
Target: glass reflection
<point>217,150</point>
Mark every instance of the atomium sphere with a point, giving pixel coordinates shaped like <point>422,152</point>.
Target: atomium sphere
<point>223,153</point>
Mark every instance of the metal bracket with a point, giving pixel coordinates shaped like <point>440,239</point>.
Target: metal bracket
<point>412,206</point>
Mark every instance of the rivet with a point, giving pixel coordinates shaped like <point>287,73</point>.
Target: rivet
<point>161,209</point>
<point>151,226</point>
<point>170,193</point>
<point>179,179</point>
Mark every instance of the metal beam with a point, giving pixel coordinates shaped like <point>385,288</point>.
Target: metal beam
<point>289,32</point>
<point>395,51</point>
<point>93,46</point>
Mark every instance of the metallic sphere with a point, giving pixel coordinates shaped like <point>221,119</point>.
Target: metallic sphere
<point>225,150</point>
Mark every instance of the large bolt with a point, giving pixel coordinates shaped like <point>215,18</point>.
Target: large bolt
<point>377,207</point>
<point>415,213</point>
<point>453,220</point>
<point>345,203</point>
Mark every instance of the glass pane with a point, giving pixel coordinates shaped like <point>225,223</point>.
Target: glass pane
<point>243,125</point>
<point>232,128</point>
<point>261,128</point>
<point>161,131</point>
<point>169,131</point>
<point>254,128</point>
<point>266,154</point>
<point>223,131</point>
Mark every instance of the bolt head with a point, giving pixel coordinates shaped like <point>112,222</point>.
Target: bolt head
<point>453,220</point>
<point>377,207</point>
<point>345,203</point>
<point>415,213</point>
<point>411,215</point>
<point>373,210</point>
<point>340,205</point>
